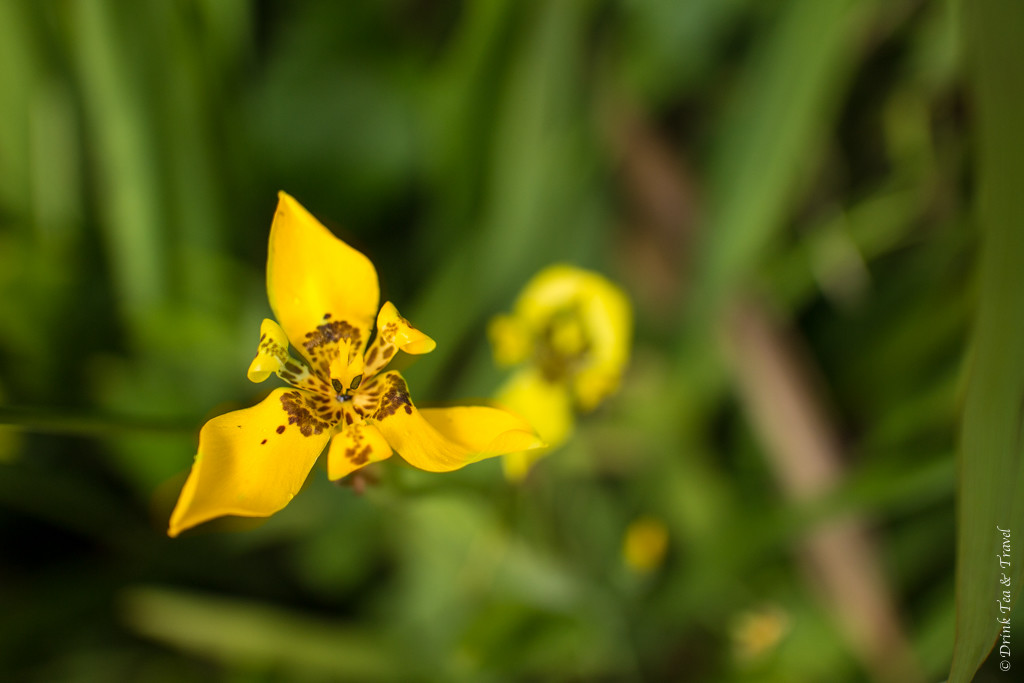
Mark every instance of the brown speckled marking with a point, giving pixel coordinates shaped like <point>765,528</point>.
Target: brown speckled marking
<point>395,397</point>
<point>322,343</point>
<point>300,412</point>
<point>358,452</point>
<point>263,442</point>
<point>361,457</point>
<point>280,429</point>
<point>327,316</point>
<point>270,348</point>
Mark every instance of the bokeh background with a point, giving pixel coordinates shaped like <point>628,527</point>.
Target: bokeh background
<point>783,189</point>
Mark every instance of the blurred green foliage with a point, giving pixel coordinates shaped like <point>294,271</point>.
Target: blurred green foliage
<point>812,156</point>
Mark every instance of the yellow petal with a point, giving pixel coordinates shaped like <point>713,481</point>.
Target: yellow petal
<point>323,292</point>
<point>272,357</point>
<point>547,406</point>
<point>355,447</point>
<point>394,333</point>
<point>346,368</point>
<point>251,462</point>
<point>272,354</point>
<point>443,439</point>
<point>397,330</point>
<point>510,340</point>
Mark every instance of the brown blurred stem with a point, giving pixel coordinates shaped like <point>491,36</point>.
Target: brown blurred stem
<point>779,391</point>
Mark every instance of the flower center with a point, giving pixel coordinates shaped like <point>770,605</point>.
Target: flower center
<point>563,345</point>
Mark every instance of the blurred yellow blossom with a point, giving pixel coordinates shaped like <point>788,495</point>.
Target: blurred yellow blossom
<point>644,544</point>
<point>570,330</point>
<point>325,297</point>
<point>757,632</point>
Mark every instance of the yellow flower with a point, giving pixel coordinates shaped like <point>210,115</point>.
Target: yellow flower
<point>644,544</point>
<point>325,297</point>
<point>571,329</point>
<point>757,632</point>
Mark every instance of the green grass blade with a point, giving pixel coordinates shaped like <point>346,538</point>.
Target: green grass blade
<point>772,135</point>
<point>991,448</point>
<point>261,636</point>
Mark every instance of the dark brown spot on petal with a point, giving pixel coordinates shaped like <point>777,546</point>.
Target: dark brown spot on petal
<point>357,455</point>
<point>292,368</point>
<point>327,316</point>
<point>371,356</point>
<point>348,419</point>
<point>280,430</point>
<point>263,442</point>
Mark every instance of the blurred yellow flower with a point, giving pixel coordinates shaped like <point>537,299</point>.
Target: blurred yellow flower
<point>571,331</point>
<point>325,297</point>
<point>757,632</point>
<point>644,545</point>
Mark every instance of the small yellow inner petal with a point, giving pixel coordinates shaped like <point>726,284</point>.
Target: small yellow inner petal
<point>346,366</point>
<point>272,353</point>
<point>272,357</point>
<point>396,330</point>
<point>355,447</point>
<point>394,333</point>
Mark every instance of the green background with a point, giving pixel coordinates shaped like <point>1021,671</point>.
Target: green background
<point>788,192</point>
